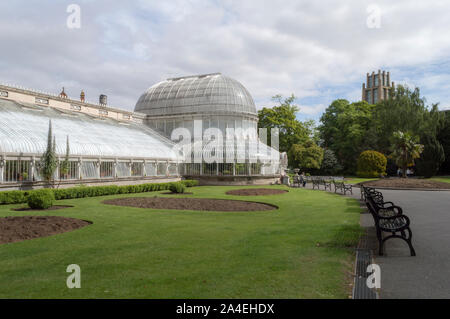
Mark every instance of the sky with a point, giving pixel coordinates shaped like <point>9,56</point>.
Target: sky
<point>317,50</point>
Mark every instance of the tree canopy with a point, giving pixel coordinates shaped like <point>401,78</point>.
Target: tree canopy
<point>283,117</point>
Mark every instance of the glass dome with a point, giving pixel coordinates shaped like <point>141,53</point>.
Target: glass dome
<point>202,94</point>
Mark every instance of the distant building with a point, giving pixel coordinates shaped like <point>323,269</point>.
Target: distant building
<point>377,87</point>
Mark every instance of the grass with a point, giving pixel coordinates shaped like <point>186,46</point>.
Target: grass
<point>356,180</point>
<point>445,179</point>
<point>300,250</point>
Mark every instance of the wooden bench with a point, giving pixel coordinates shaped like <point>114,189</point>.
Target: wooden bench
<point>388,218</point>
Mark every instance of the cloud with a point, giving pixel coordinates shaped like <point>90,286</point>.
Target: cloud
<point>317,50</point>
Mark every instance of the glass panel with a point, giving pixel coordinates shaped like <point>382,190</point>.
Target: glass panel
<point>89,170</point>
<point>106,169</point>
<point>123,169</point>
<point>136,169</point>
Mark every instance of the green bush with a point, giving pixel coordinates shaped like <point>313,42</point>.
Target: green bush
<point>19,197</point>
<point>41,199</point>
<point>12,197</point>
<point>177,188</point>
<point>371,164</point>
<point>190,183</point>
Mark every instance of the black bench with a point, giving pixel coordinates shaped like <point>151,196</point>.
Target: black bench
<point>326,184</point>
<point>344,188</point>
<point>388,218</point>
<point>315,183</point>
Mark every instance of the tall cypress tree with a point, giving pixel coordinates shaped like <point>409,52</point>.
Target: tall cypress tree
<point>49,157</point>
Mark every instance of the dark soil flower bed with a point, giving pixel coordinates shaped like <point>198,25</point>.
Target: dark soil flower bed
<point>408,183</point>
<point>14,229</point>
<point>28,209</point>
<point>203,204</point>
<point>256,191</point>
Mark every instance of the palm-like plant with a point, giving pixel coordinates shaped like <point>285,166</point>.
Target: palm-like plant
<point>405,149</point>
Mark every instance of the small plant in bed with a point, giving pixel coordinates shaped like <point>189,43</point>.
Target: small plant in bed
<point>177,188</point>
<point>41,199</point>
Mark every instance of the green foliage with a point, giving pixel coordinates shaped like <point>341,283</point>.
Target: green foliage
<point>330,164</point>
<point>444,139</point>
<point>348,129</point>
<point>283,117</point>
<point>189,182</point>
<point>49,157</point>
<point>81,191</point>
<point>431,158</point>
<point>405,111</point>
<point>12,197</point>
<point>345,131</point>
<point>306,156</point>
<point>371,164</point>
<point>41,199</point>
<point>64,167</point>
<point>405,149</point>
<point>177,188</point>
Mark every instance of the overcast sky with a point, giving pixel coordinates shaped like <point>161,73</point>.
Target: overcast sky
<point>318,50</point>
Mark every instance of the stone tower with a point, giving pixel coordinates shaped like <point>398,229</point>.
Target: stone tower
<point>377,87</point>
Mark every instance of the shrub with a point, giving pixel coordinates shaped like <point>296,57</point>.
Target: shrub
<point>177,188</point>
<point>41,199</point>
<point>80,191</point>
<point>371,164</point>
<point>190,183</point>
<point>12,197</point>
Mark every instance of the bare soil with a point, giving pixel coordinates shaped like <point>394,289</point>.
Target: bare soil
<point>19,228</point>
<point>255,191</point>
<point>408,183</point>
<point>170,193</point>
<point>202,204</point>
<point>28,209</point>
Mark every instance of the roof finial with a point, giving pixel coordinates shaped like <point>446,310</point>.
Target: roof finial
<point>82,96</point>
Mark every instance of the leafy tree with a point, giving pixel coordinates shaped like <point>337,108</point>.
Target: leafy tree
<point>444,138</point>
<point>345,130</point>
<point>306,156</point>
<point>330,164</point>
<point>283,117</point>
<point>432,157</point>
<point>405,149</point>
<point>49,157</point>
<point>404,111</point>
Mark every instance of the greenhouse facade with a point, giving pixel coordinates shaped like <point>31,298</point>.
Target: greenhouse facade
<point>110,145</point>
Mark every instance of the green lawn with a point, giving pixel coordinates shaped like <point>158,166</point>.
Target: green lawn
<point>445,179</point>
<point>356,180</point>
<point>300,250</point>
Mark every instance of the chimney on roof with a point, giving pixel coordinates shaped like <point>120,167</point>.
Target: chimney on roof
<point>63,94</point>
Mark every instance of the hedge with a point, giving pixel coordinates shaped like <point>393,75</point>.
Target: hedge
<point>18,197</point>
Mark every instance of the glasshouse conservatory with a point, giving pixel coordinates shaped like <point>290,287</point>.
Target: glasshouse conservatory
<point>110,145</point>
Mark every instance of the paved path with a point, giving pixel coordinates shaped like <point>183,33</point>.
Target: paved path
<point>428,274</point>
